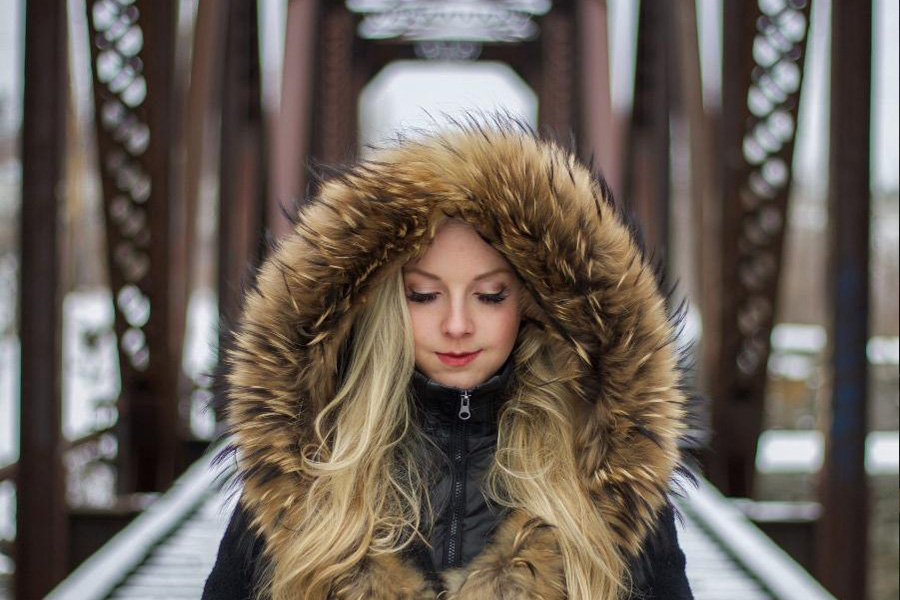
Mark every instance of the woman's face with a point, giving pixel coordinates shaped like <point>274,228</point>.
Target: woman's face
<point>464,299</point>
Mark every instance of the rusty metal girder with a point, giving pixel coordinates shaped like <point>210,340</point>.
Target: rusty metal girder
<point>597,132</point>
<point>704,204</point>
<point>648,173</point>
<point>339,84</point>
<point>41,545</point>
<point>556,80</point>
<point>132,52</point>
<point>843,532</point>
<point>242,157</point>
<point>763,70</point>
<point>292,132</point>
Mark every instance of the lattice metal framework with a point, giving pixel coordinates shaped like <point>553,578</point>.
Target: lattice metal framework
<point>756,186</point>
<point>132,48</point>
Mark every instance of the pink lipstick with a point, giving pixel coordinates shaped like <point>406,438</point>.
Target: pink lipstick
<point>458,360</point>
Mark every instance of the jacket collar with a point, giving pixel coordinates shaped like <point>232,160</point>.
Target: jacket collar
<point>440,404</point>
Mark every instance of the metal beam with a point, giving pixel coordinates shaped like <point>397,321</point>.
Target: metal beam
<point>705,213</point>
<point>338,87</point>
<point>646,186</point>
<point>42,536</point>
<point>556,87</point>
<point>132,50</point>
<point>763,63</point>
<point>729,466</point>
<point>202,106</point>
<point>598,134</point>
<point>292,127</point>
<point>242,158</point>
<point>843,533</point>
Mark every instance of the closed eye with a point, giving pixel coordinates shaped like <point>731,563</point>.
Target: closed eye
<point>493,298</point>
<point>420,298</point>
<point>486,298</point>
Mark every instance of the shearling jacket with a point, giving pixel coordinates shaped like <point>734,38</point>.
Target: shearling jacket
<point>601,304</point>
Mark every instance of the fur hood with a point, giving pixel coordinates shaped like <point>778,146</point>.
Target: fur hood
<point>556,224</point>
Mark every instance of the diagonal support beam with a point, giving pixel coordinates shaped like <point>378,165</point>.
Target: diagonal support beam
<point>763,65</point>
<point>132,51</point>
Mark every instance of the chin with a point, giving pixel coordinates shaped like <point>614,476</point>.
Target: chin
<point>462,380</point>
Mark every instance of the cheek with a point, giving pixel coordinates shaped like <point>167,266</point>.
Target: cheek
<point>423,324</point>
<point>504,326</point>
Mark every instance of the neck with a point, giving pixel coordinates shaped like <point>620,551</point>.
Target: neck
<point>442,403</point>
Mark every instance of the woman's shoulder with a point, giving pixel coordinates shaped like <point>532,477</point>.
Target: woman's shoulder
<point>238,562</point>
<point>659,570</point>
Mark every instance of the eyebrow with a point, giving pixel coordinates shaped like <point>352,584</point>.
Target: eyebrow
<point>477,278</point>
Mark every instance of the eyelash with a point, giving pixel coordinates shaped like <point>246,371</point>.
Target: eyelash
<point>486,298</point>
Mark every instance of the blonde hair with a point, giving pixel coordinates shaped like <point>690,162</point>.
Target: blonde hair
<point>535,467</point>
<point>368,469</point>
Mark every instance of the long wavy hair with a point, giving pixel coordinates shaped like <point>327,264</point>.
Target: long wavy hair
<point>368,469</point>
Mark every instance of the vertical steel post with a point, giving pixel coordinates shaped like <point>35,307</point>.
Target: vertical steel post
<point>338,86</point>
<point>705,210</point>
<point>241,197</point>
<point>844,528</point>
<point>556,90</point>
<point>202,105</point>
<point>734,418</point>
<point>598,134</point>
<point>292,132</point>
<point>41,516</point>
<point>647,179</point>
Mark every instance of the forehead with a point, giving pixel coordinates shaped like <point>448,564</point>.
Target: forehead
<point>458,250</point>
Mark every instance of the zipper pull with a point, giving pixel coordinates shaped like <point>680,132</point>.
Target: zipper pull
<point>464,413</point>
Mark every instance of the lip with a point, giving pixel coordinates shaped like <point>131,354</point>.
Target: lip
<point>458,360</point>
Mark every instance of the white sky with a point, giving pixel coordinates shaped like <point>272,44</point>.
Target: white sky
<point>404,89</point>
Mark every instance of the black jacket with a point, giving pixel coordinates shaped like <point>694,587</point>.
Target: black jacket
<point>465,521</point>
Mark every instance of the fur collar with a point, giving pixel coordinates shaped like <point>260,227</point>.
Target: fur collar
<point>558,227</point>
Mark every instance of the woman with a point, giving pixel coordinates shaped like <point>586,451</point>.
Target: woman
<point>456,379</point>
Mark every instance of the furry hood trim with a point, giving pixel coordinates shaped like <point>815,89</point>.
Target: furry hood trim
<point>600,300</point>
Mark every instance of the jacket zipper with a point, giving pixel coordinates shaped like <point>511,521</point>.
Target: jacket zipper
<point>453,555</point>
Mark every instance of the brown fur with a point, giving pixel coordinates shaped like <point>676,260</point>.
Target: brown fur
<point>599,298</point>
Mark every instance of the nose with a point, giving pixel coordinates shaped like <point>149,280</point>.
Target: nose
<point>457,321</point>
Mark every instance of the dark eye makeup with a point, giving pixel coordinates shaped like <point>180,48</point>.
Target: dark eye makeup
<point>486,298</point>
